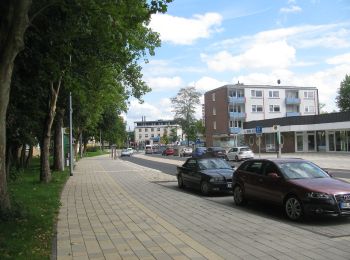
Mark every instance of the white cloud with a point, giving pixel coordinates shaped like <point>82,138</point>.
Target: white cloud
<point>164,83</point>
<point>205,84</point>
<point>271,55</point>
<point>291,9</point>
<point>184,31</point>
<point>340,59</point>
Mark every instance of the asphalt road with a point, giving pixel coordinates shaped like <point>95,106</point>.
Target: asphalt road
<point>171,169</point>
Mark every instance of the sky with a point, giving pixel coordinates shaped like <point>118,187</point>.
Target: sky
<point>208,44</point>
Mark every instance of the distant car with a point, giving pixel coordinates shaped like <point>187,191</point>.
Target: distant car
<point>186,151</point>
<point>206,174</point>
<point>125,152</point>
<point>240,153</point>
<point>218,152</point>
<point>199,151</point>
<point>130,150</point>
<point>298,185</point>
<point>168,151</point>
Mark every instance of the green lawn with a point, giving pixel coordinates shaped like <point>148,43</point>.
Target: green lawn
<point>95,153</point>
<point>29,232</point>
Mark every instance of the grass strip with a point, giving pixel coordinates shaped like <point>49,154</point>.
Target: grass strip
<point>28,232</point>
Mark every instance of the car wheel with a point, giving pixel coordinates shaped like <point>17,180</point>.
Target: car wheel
<point>238,196</point>
<point>293,208</point>
<point>180,181</point>
<point>236,158</point>
<point>204,188</point>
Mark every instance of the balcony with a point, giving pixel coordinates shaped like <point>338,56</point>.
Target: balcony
<point>237,100</point>
<point>289,114</point>
<point>292,101</point>
<point>235,130</point>
<point>237,115</point>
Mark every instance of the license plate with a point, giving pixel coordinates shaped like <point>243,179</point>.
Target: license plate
<point>229,185</point>
<point>345,205</point>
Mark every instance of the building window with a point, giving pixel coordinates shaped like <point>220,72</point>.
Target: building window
<point>238,124</point>
<point>274,108</point>
<point>309,109</point>
<point>214,125</point>
<point>158,129</point>
<point>146,129</point>
<point>152,135</point>
<point>140,130</point>
<point>274,94</point>
<point>256,93</point>
<point>159,135</point>
<point>140,136</point>
<point>146,135</point>
<point>257,108</point>
<point>152,129</point>
<point>308,94</point>
<point>214,111</point>
<point>213,96</point>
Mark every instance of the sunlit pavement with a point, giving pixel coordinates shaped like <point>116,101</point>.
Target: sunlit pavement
<point>113,209</point>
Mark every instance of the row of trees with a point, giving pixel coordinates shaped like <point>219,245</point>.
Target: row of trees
<point>49,48</point>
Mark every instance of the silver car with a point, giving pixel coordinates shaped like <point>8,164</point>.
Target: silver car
<point>240,153</point>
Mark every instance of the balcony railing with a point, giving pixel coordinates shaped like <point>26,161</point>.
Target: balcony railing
<point>237,100</point>
<point>235,130</point>
<point>292,101</point>
<point>237,115</point>
<point>289,114</point>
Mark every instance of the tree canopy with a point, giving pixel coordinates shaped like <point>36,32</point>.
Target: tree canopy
<point>343,98</point>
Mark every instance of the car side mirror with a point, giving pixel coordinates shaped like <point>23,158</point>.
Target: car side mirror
<point>273,175</point>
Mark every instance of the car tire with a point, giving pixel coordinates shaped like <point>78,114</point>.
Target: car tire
<point>180,181</point>
<point>236,158</point>
<point>238,196</point>
<point>204,188</point>
<point>293,208</point>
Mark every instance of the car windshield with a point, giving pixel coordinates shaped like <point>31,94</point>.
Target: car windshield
<point>213,163</point>
<point>301,170</point>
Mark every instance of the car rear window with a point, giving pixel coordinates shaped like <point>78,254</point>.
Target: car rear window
<point>245,149</point>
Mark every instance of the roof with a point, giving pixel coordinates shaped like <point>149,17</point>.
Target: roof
<point>242,86</point>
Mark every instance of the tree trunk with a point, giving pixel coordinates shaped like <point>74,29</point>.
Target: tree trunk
<point>22,158</point>
<point>29,157</point>
<point>58,155</point>
<point>45,172</point>
<point>13,24</point>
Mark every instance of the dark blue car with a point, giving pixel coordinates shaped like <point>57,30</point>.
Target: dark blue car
<point>198,152</point>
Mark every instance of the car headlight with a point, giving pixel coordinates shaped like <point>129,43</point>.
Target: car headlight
<point>318,195</point>
<point>217,179</point>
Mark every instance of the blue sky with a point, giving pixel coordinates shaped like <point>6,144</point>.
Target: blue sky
<point>207,44</point>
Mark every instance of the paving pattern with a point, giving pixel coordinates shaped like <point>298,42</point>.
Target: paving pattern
<point>113,209</point>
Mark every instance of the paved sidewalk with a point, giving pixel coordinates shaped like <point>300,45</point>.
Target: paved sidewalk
<point>113,209</point>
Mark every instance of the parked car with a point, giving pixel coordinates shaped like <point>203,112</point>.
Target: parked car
<point>198,152</point>
<point>186,151</point>
<point>168,151</point>
<point>300,186</point>
<point>240,153</point>
<point>218,152</point>
<point>206,174</point>
<point>130,150</point>
<point>125,152</point>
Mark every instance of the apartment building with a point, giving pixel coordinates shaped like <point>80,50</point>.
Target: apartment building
<point>229,106</point>
<point>150,132</point>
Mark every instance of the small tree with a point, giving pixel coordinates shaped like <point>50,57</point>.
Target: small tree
<point>184,107</point>
<point>343,98</point>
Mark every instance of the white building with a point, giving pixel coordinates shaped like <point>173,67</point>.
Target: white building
<point>150,132</point>
<point>228,107</point>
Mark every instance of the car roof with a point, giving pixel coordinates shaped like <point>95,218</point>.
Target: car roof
<point>280,160</point>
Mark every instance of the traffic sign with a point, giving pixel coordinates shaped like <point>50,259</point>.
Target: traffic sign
<point>258,130</point>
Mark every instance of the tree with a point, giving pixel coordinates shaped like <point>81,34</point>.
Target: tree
<point>13,24</point>
<point>184,105</point>
<point>343,98</point>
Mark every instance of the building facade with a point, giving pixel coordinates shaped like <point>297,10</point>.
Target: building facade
<point>151,132</point>
<point>317,133</point>
<point>228,107</point>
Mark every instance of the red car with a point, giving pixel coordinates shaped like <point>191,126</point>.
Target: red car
<point>168,151</point>
<point>300,186</point>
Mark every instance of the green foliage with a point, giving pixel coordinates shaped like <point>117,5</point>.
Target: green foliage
<point>27,232</point>
<point>343,98</point>
<point>184,105</point>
